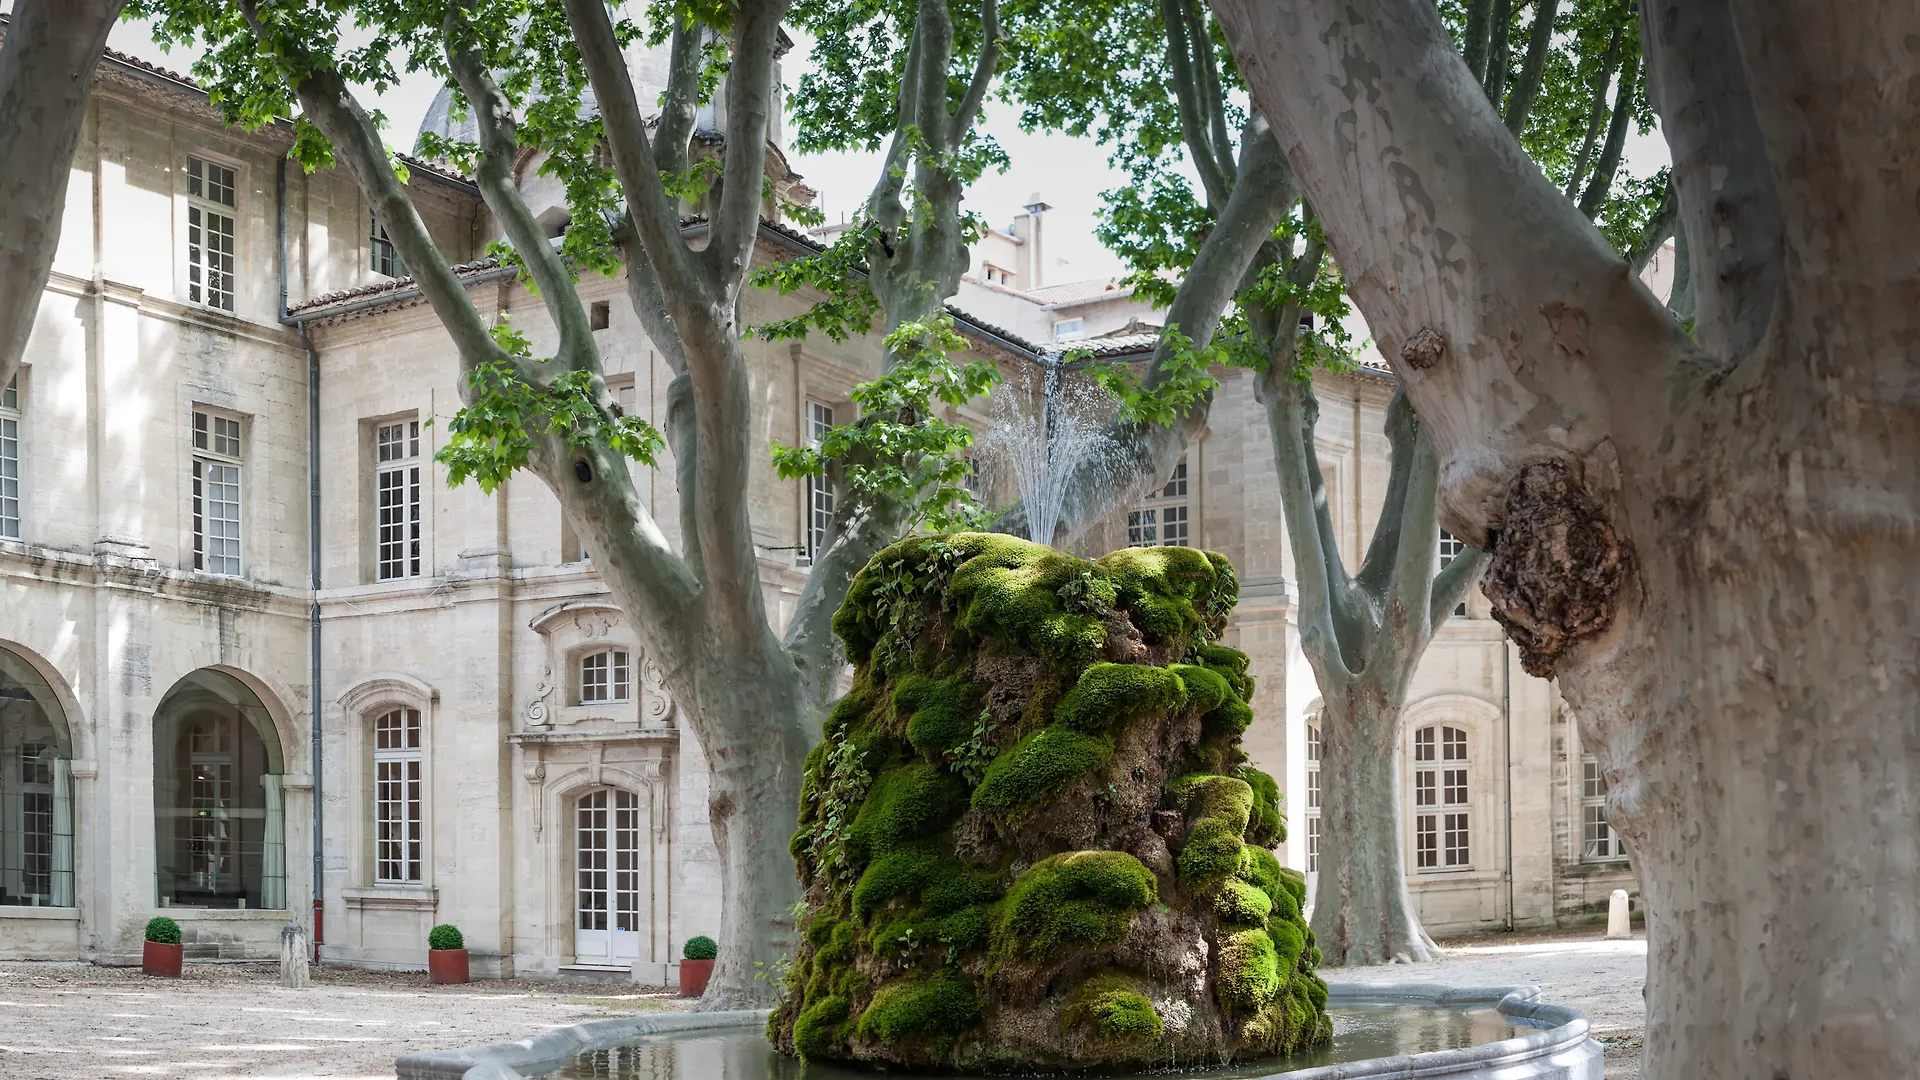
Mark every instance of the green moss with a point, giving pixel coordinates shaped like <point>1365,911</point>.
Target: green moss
<point>905,804</point>
<point>968,930</point>
<point>1108,695</point>
<point>1115,1009</point>
<point>926,1011</point>
<point>1316,992</point>
<point>1243,904</point>
<point>1206,690</point>
<point>1211,853</point>
<point>1259,867</point>
<point>1036,769</point>
<point>1230,719</point>
<point>1249,973</point>
<point>820,929</point>
<point>1265,826</point>
<point>850,709</point>
<point>940,712</point>
<point>1223,798</point>
<point>1294,882</point>
<point>1008,588</point>
<point>1229,663</point>
<point>1079,899</point>
<point>1170,592</point>
<point>1289,941</point>
<point>938,882</point>
<point>814,1030</point>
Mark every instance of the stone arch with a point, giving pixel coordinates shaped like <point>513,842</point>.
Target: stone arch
<point>37,749</point>
<point>1431,719</point>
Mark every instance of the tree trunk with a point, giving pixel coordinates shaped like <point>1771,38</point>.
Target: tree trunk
<point>1362,913</point>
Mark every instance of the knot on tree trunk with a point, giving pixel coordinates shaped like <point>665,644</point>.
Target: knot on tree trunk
<point>1424,349</point>
<point>1556,565</point>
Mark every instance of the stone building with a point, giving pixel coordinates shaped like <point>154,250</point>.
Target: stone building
<point>241,610</point>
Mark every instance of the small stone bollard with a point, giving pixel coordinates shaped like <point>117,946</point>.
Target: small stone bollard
<point>1619,923</point>
<point>293,956</point>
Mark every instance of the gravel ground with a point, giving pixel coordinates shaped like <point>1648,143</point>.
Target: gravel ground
<point>235,1022</point>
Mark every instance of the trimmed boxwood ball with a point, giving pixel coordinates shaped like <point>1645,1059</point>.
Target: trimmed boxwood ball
<point>700,947</point>
<point>445,936</point>
<point>163,931</point>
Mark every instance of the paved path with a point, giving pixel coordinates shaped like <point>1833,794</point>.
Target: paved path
<point>235,1022</point>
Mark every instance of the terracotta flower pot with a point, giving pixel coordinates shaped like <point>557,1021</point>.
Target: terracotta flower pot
<point>693,977</point>
<point>162,961</point>
<point>447,965</point>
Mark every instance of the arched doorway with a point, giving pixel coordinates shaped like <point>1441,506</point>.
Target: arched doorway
<point>36,790</point>
<point>218,808</point>
<point>608,827</point>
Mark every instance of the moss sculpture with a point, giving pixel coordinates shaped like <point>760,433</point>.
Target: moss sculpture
<point>1030,840</point>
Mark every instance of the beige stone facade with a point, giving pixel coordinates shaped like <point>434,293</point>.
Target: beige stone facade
<point>494,749</point>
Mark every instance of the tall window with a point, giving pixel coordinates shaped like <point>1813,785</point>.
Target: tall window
<point>210,191</point>
<point>36,782</point>
<point>10,460</point>
<point>397,797</point>
<point>382,258</point>
<point>1161,518</point>
<point>216,493</point>
<point>1313,798</point>
<point>219,808</point>
<point>397,494</point>
<point>1440,832</point>
<point>1451,546</point>
<point>819,490</point>
<point>1599,843</point>
<point>604,677</point>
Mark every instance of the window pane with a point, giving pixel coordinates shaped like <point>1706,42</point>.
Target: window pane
<point>9,478</point>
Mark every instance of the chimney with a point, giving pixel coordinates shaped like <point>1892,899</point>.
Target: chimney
<point>1032,266</point>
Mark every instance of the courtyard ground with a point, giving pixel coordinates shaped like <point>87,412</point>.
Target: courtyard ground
<point>235,1022</point>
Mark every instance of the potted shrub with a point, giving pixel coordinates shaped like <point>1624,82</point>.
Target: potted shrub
<point>161,957</point>
<point>446,954</point>
<point>696,965</point>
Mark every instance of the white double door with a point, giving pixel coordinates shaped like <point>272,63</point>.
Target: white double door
<point>609,877</point>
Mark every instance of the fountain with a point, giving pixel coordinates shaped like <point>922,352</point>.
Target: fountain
<point>1030,844</point>
<point>1043,445</point>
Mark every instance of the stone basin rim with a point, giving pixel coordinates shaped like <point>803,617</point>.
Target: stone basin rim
<point>1558,1048</point>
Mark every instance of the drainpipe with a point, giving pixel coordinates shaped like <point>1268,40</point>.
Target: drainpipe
<point>313,563</point>
<point>1506,737</point>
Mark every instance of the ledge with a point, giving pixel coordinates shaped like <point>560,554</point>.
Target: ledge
<point>55,914</point>
<point>194,914</point>
<point>551,1049</point>
<point>403,897</point>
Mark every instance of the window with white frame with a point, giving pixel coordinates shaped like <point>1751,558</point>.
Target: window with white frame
<point>396,453</point>
<point>382,258</point>
<point>1313,798</point>
<point>216,493</point>
<point>397,797</point>
<point>1599,843</point>
<point>1161,518</point>
<point>818,490</point>
<point>10,460</point>
<point>1069,327</point>
<point>1450,547</point>
<point>210,232</point>
<point>604,677</point>
<point>1440,825</point>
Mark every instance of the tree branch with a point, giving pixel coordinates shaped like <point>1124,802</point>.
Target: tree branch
<point>935,29</point>
<point>749,95</point>
<point>680,105</point>
<point>1609,163</point>
<point>1474,48</point>
<point>1498,54</point>
<point>1190,99</point>
<point>1721,172</point>
<point>858,536</point>
<point>1452,584</point>
<point>1659,229</point>
<point>1383,549</point>
<point>46,76</point>
<point>1213,99</point>
<point>1596,113</point>
<point>1527,89</point>
<point>983,70</point>
<point>1317,566</point>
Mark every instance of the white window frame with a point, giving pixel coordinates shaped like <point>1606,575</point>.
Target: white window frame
<point>219,460</point>
<point>11,496</point>
<point>210,284</point>
<point>604,677</point>
<point>1069,328</point>
<point>1442,800</point>
<point>382,257</point>
<point>396,496</point>
<point>399,797</point>
<point>1164,518</point>
<point>1599,843</point>
<point>1314,745</point>
<point>1449,548</point>
<point>816,492</point>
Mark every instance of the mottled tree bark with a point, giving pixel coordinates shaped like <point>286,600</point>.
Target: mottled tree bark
<point>46,76</point>
<point>1710,545</point>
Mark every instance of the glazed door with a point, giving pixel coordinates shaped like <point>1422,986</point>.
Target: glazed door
<point>607,878</point>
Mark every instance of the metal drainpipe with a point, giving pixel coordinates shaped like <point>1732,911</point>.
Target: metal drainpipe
<point>1506,737</point>
<point>313,561</point>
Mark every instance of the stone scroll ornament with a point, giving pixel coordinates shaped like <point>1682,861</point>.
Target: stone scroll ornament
<point>1030,840</point>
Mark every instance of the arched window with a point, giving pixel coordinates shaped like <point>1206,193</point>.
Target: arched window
<point>36,790</point>
<point>605,676</point>
<point>1441,832</point>
<point>219,819</point>
<point>397,797</point>
<point>1313,798</point>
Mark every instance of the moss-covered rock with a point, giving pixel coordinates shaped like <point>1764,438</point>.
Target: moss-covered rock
<point>1031,813</point>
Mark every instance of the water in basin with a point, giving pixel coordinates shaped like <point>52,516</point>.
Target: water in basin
<point>1360,1031</point>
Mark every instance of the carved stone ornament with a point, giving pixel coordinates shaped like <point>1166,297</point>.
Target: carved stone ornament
<point>537,708</point>
<point>659,707</point>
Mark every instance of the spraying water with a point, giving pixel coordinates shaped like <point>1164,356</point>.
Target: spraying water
<point>1045,443</point>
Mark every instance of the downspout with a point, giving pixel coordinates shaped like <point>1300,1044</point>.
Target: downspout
<point>1506,738</point>
<point>313,567</point>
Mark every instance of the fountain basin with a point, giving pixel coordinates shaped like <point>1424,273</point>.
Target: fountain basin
<point>1547,1042</point>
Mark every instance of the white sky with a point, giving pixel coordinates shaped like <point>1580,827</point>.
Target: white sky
<point>1067,173</point>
